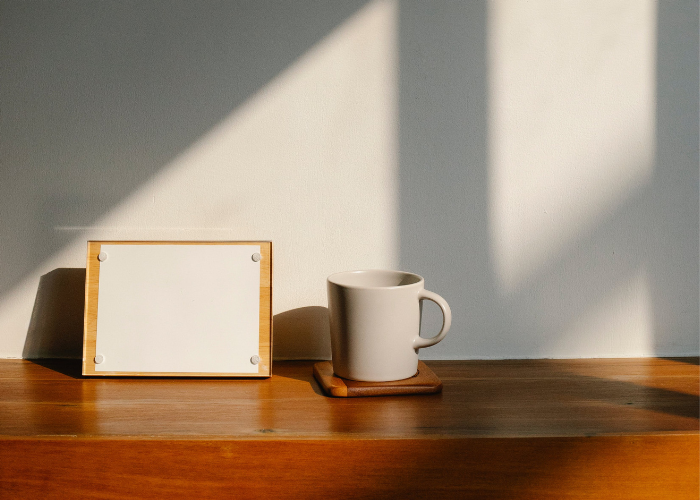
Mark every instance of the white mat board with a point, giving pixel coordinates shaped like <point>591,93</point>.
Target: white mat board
<point>178,308</point>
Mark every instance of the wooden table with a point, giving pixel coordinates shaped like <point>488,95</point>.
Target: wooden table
<point>625,428</point>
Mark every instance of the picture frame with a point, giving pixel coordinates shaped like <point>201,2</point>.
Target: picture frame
<point>178,308</point>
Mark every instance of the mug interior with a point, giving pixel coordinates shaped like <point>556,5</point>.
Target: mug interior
<point>374,278</point>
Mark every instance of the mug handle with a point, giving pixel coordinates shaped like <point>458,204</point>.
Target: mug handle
<point>419,342</point>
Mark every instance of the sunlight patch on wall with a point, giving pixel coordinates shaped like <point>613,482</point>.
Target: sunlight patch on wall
<point>309,161</point>
<point>571,123</point>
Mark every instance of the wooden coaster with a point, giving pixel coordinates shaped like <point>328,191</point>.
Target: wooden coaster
<point>423,382</point>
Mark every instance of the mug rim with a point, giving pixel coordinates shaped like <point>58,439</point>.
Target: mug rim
<point>333,279</point>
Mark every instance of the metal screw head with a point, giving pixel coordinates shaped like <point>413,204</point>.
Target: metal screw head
<point>99,359</point>
<point>255,359</point>
<point>102,256</point>
<point>256,257</point>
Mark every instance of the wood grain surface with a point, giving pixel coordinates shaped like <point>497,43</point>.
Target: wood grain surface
<point>619,467</point>
<point>499,429</point>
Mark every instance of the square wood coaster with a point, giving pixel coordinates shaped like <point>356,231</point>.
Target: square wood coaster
<point>423,382</point>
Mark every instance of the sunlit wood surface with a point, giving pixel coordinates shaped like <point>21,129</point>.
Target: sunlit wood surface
<point>500,429</point>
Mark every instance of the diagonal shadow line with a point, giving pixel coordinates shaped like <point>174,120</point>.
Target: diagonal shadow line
<point>97,104</point>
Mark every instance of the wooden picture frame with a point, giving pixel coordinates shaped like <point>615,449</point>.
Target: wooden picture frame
<point>262,359</point>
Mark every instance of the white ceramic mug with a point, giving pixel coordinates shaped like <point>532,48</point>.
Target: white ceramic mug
<point>375,323</point>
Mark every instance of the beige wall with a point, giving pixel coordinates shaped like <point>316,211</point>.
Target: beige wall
<point>536,162</point>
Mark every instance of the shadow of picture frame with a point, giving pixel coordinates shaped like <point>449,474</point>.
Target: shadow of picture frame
<point>56,325</point>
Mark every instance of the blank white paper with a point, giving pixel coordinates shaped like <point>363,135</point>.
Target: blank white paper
<point>178,308</point>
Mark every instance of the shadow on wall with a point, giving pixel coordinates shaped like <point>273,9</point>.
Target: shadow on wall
<point>56,325</point>
<point>98,98</point>
<point>300,331</point>
<point>443,165</point>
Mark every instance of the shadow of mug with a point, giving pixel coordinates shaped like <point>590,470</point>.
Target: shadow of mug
<point>302,333</point>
